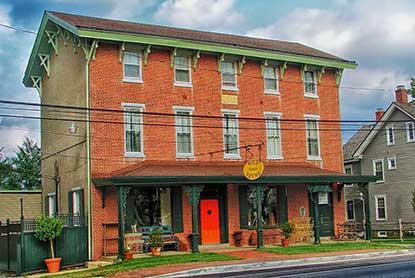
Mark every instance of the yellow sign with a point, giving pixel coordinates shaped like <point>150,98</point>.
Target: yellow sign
<point>230,99</point>
<point>253,169</point>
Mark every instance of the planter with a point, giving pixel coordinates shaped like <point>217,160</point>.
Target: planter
<point>156,251</point>
<point>285,242</point>
<point>53,265</point>
<point>128,255</point>
<point>237,236</point>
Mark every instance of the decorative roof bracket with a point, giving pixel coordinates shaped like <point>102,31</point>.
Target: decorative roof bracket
<point>121,50</point>
<point>37,83</point>
<point>90,51</point>
<point>303,69</point>
<point>173,54</point>
<point>44,62</point>
<point>338,76</point>
<point>283,67</point>
<point>241,64</point>
<point>195,58</point>
<point>146,53</point>
<point>263,65</point>
<point>320,73</point>
<point>221,58</point>
<point>53,39</point>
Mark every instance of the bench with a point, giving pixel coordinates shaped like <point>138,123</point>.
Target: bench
<point>169,239</point>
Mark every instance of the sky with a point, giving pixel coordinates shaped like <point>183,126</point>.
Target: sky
<point>378,34</point>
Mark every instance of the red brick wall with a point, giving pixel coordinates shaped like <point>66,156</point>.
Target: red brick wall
<point>159,95</point>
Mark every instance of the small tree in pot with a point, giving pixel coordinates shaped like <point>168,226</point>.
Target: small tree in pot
<point>156,242</point>
<point>47,229</point>
<point>287,230</point>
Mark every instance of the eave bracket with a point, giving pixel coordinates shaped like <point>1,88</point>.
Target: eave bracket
<point>44,62</point>
<point>37,83</point>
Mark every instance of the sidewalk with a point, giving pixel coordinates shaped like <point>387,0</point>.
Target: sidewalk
<point>253,259</point>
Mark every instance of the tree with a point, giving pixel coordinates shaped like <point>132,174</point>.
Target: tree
<point>22,172</point>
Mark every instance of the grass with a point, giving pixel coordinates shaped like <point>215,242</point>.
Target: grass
<point>330,247</point>
<point>395,241</point>
<point>140,263</point>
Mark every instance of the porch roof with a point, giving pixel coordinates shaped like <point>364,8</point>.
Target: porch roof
<point>193,172</point>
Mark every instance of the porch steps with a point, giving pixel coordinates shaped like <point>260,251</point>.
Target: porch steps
<point>104,261</point>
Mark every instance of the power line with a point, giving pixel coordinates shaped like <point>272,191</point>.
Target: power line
<point>17,29</point>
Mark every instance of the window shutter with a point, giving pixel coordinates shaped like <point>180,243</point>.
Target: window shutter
<point>46,206</point>
<point>70,204</point>
<point>243,207</point>
<point>282,204</point>
<point>81,206</point>
<point>176,210</point>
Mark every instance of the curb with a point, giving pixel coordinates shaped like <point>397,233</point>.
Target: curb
<point>284,263</point>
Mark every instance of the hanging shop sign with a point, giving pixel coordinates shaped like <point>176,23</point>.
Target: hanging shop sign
<point>253,169</point>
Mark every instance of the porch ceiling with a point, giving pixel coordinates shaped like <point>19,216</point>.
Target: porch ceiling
<point>193,172</point>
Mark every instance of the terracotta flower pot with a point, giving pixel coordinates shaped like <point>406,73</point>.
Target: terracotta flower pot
<point>156,251</point>
<point>53,265</point>
<point>285,242</point>
<point>128,255</point>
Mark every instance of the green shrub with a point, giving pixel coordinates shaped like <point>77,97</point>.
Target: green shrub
<point>156,238</point>
<point>287,230</point>
<point>47,229</point>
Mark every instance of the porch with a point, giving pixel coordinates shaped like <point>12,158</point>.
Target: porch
<point>206,203</point>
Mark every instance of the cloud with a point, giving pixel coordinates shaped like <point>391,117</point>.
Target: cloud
<point>128,9</point>
<point>215,14</point>
<point>5,19</point>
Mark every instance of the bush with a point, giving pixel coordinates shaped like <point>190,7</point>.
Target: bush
<point>287,230</point>
<point>47,229</point>
<point>156,238</point>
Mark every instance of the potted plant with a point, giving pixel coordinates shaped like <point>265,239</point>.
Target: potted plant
<point>155,242</point>
<point>47,229</point>
<point>128,254</point>
<point>287,230</point>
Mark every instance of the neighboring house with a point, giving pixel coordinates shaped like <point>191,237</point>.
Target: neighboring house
<point>386,150</point>
<point>172,149</point>
<point>11,204</point>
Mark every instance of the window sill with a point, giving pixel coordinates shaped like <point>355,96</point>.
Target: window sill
<point>381,219</point>
<point>185,156</point>
<point>409,142</point>
<point>233,89</point>
<point>314,158</point>
<point>134,155</point>
<point>274,93</point>
<point>232,156</point>
<point>388,145</point>
<point>186,85</point>
<point>132,80</point>
<point>310,96</point>
<point>275,158</point>
<point>380,181</point>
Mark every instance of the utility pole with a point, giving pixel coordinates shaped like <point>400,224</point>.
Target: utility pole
<point>57,179</point>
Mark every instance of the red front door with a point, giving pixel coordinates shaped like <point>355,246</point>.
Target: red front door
<point>209,219</point>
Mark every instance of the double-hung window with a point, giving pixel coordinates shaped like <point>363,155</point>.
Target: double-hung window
<point>350,209</point>
<point>348,169</point>
<point>76,205</point>
<point>410,132</point>
<point>380,202</point>
<point>390,135</point>
<point>310,84</point>
<point>273,131</point>
<point>231,134</point>
<point>378,170</point>
<point>132,67</point>
<point>182,71</point>
<point>184,134</point>
<point>312,137</point>
<point>51,204</point>
<point>271,80</point>
<point>228,71</point>
<point>133,130</point>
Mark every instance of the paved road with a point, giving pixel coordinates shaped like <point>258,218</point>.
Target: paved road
<point>393,266</point>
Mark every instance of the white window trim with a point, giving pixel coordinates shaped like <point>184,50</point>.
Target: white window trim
<point>181,83</point>
<point>354,213</point>
<point>273,92</point>
<point>315,118</point>
<point>388,143</point>
<point>376,206</point>
<point>389,162</point>
<point>230,88</point>
<point>236,113</point>
<point>135,154</point>
<point>277,115</point>
<point>132,79</point>
<point>408,140</point>
<point>189,109</point>
<point>308,95</point>
<point>383,169</point>
<point>351,173</point>
<point>49,203</point>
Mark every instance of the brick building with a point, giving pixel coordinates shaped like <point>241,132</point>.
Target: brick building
<point>165,119</point>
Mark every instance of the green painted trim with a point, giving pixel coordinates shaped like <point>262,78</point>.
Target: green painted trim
<point>217,48</point>
<point>169,180</point>
<point>20,192</point>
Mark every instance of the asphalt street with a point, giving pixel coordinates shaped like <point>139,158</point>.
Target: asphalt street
<point>392,266</point>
